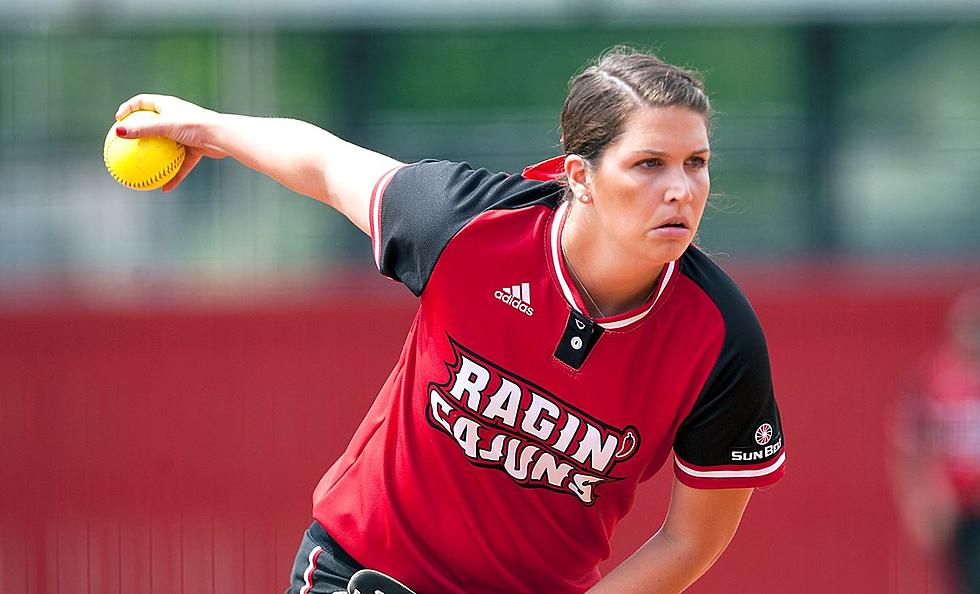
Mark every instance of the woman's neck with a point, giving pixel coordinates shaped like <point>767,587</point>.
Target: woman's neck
<point>609,281</point>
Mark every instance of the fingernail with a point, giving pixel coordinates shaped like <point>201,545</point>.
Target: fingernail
<point>120,131</point>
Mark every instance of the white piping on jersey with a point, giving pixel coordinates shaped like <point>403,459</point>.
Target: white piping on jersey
<point>375,214</point>
<point>621,323</point>
<point>556,256</point>
<point>732,473</point>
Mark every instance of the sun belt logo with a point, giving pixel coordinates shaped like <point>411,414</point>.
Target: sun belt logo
<point>517,296</point>
<point>763,434</point>
<point>502,422</point>
<point>763,437</point>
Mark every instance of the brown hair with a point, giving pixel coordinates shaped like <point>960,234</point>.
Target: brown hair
<point>619,81</point>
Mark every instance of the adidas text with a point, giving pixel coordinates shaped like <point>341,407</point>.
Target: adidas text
<point>514,302</point>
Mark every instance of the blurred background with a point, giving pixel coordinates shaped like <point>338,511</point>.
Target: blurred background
<point>177,370</point>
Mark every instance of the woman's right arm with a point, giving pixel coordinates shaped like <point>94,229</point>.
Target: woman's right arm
<point>699,526</point>
<point>298,155</point>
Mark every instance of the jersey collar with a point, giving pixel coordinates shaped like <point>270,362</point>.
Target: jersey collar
<point>571,294</point>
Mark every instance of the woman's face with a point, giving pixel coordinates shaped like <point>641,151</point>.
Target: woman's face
<point>650,186</point>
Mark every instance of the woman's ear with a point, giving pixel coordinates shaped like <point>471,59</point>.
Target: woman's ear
<point>577,176</point>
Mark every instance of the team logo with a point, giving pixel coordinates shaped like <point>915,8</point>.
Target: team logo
<point>769,445</point>
<point>502,422</point>
<point>763,434</point>
<point>517,296</point>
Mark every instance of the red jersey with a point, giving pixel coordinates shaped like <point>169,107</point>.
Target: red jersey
<point>511,436</point>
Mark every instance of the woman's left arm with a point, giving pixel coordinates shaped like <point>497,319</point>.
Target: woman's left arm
<point>700,523</point>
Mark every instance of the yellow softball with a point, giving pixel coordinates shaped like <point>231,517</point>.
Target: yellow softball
<point>141,163</point>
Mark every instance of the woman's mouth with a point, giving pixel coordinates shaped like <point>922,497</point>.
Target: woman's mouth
<point>674,227</point>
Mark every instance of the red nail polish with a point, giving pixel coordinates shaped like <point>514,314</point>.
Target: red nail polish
<point>120,131</point>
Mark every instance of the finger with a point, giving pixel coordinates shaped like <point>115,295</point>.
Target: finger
<point>191,158</point>
<point>137,103</point>
<point>142,127</point>
<point>131,130</point>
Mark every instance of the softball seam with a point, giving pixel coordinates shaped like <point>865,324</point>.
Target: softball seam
<point>174,164</point>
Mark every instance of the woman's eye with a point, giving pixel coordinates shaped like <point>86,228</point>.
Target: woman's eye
<point>697,162</point>
<point>650,163</point>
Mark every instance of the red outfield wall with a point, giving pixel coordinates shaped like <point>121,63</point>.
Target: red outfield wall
<point>174,449</point>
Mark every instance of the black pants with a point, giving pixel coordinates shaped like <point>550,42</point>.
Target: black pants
<point>966,551</point>
<point>321,566</point>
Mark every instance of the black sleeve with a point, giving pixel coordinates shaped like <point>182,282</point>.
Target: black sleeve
<point>735,422</point>
<point>427,203</point>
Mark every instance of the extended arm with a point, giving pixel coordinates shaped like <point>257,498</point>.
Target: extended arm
<point>700,523</point>
<point>300,156</point>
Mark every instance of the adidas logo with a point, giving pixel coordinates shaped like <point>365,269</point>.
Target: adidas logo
<point>517,296</point>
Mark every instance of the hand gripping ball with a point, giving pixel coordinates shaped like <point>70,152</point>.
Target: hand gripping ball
<point>141,163</point>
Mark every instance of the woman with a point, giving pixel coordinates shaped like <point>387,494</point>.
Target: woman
<point>568,338</point>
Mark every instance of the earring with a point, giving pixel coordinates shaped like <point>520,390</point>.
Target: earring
<point>585,199</point>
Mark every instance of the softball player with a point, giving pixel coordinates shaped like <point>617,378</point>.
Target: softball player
<point>936,436</point>
<point>569,339</point>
